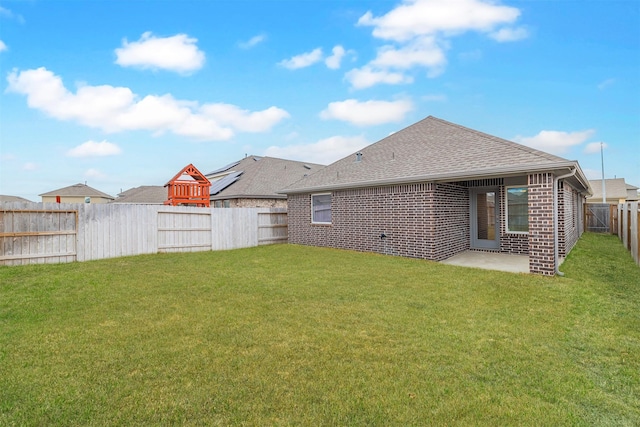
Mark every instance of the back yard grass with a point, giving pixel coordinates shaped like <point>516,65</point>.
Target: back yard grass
<point>293,335</point>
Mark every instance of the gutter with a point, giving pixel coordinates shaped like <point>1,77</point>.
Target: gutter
<point>443,177</point>
<point>556,180</point>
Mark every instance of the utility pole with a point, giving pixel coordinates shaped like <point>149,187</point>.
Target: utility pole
<point>604,190</point>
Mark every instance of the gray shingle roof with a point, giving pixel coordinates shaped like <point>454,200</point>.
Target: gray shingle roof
<point>263,177</point>
<point>145,194</point>
<point>6,198</point>
<point>78,190</point>
<point>615,189</point>
<point>432,149</point>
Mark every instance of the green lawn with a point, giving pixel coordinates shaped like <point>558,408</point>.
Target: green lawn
<point>293,335</point>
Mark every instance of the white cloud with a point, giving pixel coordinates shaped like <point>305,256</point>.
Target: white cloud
<point>253,41</point>
<point>303,60</point>
<point>367,113</point>
<point>507,34</point>
<point>324,152</point>
<point>423,51</point>
<point>420,31</point>
<point>426,17</point>
<point>606,83</point>
<point>30,166</point>
<point>367,76</point>
<point>3,46</point>
<point>177,53</point>
<point>555,142</point>
<point>594,147</point>
<point>94,149</point>
<point>117,109</point>
<point>334,60</point>
<point>244,120</point>
<point>4,12</point>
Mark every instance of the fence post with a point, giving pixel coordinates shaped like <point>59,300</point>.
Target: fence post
<point>633,230</point>
<point>620,220</point>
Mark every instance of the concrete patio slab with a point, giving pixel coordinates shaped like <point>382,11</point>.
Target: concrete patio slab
<point>490,261</point>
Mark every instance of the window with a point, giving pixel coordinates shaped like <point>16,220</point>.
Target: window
<point>321,208</point>
<point>517,210</point>
<point>217,203</point>
<point>227,204</point>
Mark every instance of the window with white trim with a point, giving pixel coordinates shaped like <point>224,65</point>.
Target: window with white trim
<point>517,210</point>
<point>321,208</point>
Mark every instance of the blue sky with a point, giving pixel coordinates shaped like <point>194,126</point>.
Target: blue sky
<point>126,93</point>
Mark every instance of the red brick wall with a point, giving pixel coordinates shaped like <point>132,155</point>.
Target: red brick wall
<point>569,220</point>
<point>431,221</point>
<point>510,243</point>
<point>541,238</point>
<point>425,220</point>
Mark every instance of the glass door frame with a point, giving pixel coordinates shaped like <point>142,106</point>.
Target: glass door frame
<point>476,241</point>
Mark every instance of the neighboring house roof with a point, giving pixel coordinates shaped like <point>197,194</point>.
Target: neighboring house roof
<point>435,150</point>
<point>258,177</point>
<point>632,193</point>
<point>5,198</point>
<point>614,189</point>
<point>145,194</point>
<point>78,190</point>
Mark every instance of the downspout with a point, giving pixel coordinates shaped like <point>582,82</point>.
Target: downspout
<point>556,180</point>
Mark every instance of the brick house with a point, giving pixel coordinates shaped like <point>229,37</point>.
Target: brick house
<point>254,181</point>
<point>435,189</point>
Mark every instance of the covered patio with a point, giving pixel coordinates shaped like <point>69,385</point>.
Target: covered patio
<point>490,261</point>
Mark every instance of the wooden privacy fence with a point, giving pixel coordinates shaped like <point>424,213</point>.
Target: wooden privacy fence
<point>600,217</point>
<point>628,227</point>
<point>54,233</point>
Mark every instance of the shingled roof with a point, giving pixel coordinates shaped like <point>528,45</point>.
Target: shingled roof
<point>145,194</point>
<point>263,177</point>
<point>78,190</point>
<point>615,188</point>
<point>433,150</point>
<point>7,198</point>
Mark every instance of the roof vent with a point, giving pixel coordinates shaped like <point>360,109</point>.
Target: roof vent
<point>306,166</point>
<point>358,156</point>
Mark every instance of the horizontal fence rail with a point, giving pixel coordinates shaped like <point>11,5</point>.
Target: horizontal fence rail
<point>55,233</point>
<point>38,235</point>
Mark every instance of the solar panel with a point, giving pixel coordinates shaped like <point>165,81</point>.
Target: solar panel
<point>221,184</point>
<point>224,168</point>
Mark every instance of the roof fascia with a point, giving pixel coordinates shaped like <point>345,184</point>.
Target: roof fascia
<point>249,196</point>
<point>486,173</point>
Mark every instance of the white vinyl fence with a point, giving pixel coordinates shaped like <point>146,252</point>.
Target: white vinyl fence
<point>55,233</point>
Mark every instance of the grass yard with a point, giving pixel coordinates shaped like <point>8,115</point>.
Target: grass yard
<point>293,335</point>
